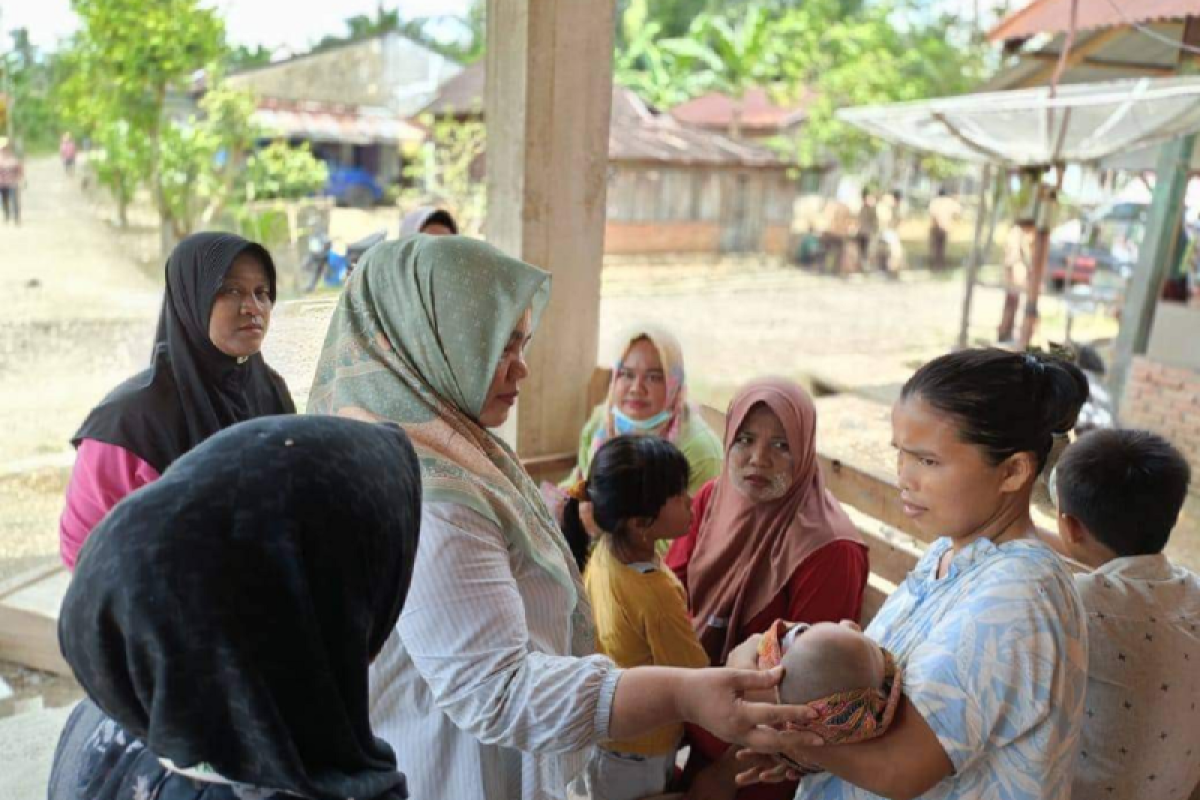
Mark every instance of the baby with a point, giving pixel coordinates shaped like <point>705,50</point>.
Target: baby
<point>850,681</point>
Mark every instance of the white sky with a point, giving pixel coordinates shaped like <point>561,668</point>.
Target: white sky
<point>293,24</point>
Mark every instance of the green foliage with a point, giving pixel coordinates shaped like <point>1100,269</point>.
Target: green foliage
<point>129,52</point>
<point>447,171</point>
<point>120,162</point>
<point>281,172</point>
<point>832,54</point>
<point>243,57</point>
<point>884,53</point>
<point>30,75</point>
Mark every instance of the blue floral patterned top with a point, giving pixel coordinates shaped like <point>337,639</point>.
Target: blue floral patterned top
<point>995,660</point>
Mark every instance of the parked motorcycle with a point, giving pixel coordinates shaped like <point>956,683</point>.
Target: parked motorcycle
<point>323,260</point>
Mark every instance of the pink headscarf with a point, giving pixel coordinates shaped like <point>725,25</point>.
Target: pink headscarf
<point>747,552</point>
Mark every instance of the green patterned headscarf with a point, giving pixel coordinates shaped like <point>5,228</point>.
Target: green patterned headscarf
<point>416,338</point>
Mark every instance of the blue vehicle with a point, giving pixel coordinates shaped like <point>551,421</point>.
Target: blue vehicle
<point>353,186</point>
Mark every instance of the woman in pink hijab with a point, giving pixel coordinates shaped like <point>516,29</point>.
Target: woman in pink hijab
<point>768,542</point>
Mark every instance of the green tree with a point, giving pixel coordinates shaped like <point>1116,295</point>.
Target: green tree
<point>121,161</point>
<point>447,171</point>
<point>282,172</point>
<point>736,56</point>
<point>202,160</point>
<point>245,57</point>
<point>655,73</point>
<point>30,75</point>
<point>882,54</point>
<point>127,56</point>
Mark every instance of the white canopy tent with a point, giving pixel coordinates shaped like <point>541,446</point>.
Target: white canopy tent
<point>1081,124</point>
<point>1118,124</point>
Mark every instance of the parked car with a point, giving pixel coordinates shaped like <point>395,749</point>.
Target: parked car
<point>353,186</point>
<point>1113,234</point>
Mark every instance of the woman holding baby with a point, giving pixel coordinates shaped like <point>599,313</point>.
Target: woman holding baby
<point>987,632</point>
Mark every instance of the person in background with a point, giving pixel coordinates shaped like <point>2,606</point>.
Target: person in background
<point>637,490</point>
<point>1119,494</point>
<point>12,177</point>
<point>891,250</point>
<point>648,396</point>
<point>867,229</point>
<point>428,219</point>
<point>1018,266</point>
<point>836,224</point>
<point>67,152</point>
<point>206,374</point>
<point>944,211</point>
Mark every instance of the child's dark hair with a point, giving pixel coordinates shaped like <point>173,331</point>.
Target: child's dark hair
<point>1006,403</point>
<point>1126,487</point>
<point>632,477</point>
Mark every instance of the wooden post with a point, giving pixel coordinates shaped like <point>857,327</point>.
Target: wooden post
<point>548,103</point>
<point>1158,243</point>
<point>1047,202</point>
<point>981,212</point>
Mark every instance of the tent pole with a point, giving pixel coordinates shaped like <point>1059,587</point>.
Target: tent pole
<point>976,256</point>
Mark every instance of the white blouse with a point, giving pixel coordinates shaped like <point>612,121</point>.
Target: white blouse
<point>475,690</point>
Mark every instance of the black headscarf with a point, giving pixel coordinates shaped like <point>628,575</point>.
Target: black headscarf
<point>191,389</point>
<point>226,614</point>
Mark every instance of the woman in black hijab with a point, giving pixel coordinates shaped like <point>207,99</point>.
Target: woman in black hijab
<point>206,374</point>
<point>223,619</point>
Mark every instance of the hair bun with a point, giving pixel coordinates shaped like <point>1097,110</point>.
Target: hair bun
<point>1064,390</point>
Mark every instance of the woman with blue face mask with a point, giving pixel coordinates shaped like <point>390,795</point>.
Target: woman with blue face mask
<point>648,396</point>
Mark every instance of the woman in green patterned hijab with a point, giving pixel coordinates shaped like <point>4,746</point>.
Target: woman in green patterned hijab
<point>490,686</point>
<point>430,333</point>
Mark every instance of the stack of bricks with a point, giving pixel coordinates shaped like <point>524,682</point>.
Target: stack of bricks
<point>1166,400</point>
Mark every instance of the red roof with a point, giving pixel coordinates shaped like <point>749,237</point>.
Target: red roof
<point>1054,16</point>
<point>716,110</point>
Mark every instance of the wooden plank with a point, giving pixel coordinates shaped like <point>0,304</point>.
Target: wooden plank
<point>893,553</point>
<point>878,591</point>
<point>29,624</point>
<point>33,575</point>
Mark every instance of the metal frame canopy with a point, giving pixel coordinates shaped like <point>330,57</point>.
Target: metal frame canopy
<point>1081,123</point>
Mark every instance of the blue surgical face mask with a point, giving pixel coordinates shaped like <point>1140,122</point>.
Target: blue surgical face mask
<point>626,425</point>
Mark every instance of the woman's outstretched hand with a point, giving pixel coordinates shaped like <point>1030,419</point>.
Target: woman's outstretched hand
<point>715,700</point>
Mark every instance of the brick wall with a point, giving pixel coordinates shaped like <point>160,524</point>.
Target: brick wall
<point>655,238</point>
<point>621,238</point>
<point>1166,400</point>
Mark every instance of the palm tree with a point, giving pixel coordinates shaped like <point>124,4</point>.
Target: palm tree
<point>736,59</point>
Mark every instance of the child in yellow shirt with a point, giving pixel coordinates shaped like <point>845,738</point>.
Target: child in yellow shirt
<point>637,494</point>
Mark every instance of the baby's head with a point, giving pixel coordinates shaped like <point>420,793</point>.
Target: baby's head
<point>827,659</point>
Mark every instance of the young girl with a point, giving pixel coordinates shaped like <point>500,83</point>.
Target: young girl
<point>637,493</point>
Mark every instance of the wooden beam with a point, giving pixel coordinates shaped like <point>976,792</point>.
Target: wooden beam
<point>548,102</point>
<point>1132,68</point>
<point>1077,55</point>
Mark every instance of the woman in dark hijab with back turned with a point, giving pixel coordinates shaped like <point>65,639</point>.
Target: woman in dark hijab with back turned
<point>206,374</point>
<point>223,619</point>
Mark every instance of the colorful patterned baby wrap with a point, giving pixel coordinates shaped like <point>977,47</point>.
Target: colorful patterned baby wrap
<point>848,717</point>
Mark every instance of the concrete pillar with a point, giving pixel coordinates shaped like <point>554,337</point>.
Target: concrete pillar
<point>548,103</point>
